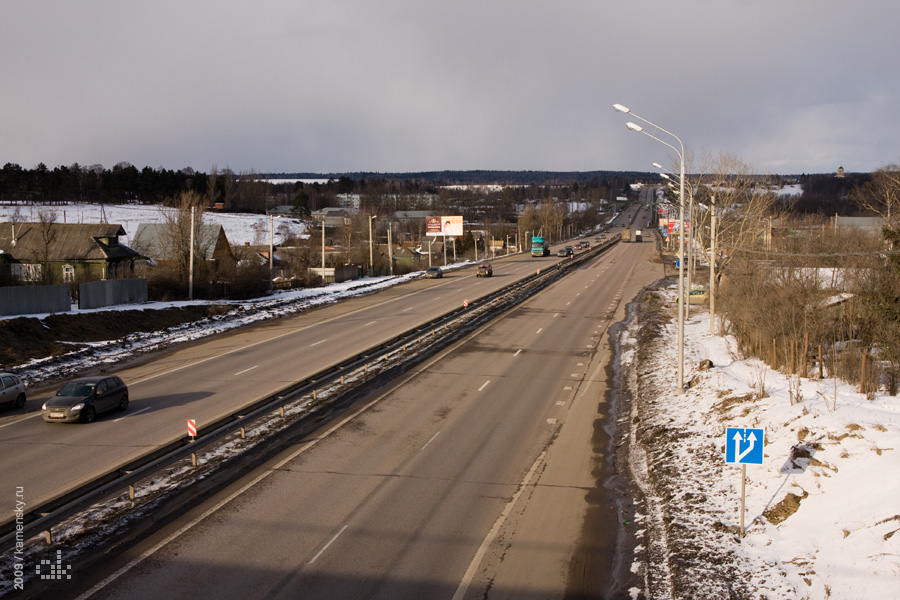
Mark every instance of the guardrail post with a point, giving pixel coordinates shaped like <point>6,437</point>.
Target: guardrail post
<point>243,434</point>
<point>193,459</point>
<point>131,493</point>
<point>282,411</point>
<point>314,394</point>
<point>48,537</point>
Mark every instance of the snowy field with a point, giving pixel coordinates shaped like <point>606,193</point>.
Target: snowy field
<point>822,511</point>
<point>240,229</point>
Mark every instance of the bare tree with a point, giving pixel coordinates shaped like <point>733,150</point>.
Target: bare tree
<point>881,194</point>
<point>212,195</point>
<point>48,234</point>
<point>176,241</point>
<point>743,201</point>
<point>551,214</point>
<point>228,186</point>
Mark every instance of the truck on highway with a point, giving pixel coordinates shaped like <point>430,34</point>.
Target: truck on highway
<point>637,235</point>
<point>626,235</point>
<point>540,247</point>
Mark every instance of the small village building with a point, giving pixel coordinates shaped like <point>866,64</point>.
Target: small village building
<point>156,242</point>
<point>55,253</point>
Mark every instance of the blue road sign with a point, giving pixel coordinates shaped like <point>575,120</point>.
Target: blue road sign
<point>744,446</point>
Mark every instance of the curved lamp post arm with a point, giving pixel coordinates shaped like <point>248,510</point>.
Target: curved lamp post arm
<point>626,110</point>
<point>682,300</point>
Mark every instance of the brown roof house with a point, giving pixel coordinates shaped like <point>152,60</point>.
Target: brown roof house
<point>54,253</point>
<point>160,243</point>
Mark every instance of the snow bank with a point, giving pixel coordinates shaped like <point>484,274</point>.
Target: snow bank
<point>822,511</point>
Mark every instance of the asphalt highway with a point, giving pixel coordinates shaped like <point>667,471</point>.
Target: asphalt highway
<point>212,378</point>
<point>470,478</point>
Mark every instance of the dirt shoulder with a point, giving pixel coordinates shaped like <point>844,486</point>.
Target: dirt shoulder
<point>26,338</point>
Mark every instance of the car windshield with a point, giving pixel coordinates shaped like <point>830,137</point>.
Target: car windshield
<point>76,388</point>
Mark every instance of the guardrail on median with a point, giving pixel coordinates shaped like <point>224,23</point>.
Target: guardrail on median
<point>46,516</point>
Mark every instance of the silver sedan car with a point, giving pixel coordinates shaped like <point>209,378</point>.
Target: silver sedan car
<point>12,391</point>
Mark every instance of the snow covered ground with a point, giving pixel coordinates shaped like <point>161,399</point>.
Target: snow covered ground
<point>823,510</point>
<point>238,314</point>
<point>240,229</point>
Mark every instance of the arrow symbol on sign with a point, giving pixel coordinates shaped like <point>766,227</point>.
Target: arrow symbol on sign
<point>737,446</point>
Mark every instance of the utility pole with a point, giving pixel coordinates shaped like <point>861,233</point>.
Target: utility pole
<point>271,243</point>
<point>712,268</point>
<point>191,267</point>
<point>371,251</point>
<point>390,247</point>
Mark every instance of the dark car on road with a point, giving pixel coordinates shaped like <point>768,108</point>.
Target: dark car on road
<point>83,399</point>
<point>567,251</point>
<point>434,273</point>
<point>484,270</point>
<point>12,391</point>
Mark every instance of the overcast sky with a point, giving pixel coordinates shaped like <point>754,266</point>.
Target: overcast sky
<point>789,86</point>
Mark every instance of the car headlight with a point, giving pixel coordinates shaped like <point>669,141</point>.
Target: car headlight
<point>77,407</point>
<point>44,406</point>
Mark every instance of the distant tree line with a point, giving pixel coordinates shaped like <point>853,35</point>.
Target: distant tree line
<point>473,177</point>
<point>256,192</point>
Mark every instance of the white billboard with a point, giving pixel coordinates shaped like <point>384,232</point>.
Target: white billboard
<point>436,226</point>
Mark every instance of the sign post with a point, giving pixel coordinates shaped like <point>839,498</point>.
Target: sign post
<point>744,447</point>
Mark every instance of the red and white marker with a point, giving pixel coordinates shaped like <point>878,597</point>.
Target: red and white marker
<point>192,428</point>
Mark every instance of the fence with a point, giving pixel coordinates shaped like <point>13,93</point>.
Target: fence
<point>337,274</point>
<point>98,294</point>
<point>34,299</point>
<point>847,361</point>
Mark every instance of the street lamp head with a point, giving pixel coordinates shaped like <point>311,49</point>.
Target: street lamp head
<point>664,176</point>
<point>634,126</point>
<point>657,165</point>
<point>621,108</point>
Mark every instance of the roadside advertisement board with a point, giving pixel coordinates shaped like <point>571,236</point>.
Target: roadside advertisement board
<point>436,226</point>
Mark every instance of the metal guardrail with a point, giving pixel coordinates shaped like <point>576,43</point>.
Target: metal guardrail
<point>53,512</point>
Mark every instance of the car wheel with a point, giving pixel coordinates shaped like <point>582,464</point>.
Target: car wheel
<point>123,403</point>
<point>89,415</point>
<point>20,401</point>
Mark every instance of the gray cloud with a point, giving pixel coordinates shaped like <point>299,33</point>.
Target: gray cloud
<point>406,85</point>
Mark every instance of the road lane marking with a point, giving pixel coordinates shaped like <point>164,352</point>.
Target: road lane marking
<point>406,309</point>
<point>484,385</point>
<point>431,440</point>
<point>370,323</point>
<point>518,352</point>
<point>245,370</point>
<point>555,315</point>
<point>132,414</point>
<point>317,343</point>
<point>37,414</point>
<point>265,341</point>
<point>539,330</point>
<point>492,534</point>
<point>187,527</point>
<point>325,547</point>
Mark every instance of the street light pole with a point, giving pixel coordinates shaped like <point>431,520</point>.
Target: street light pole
<point>712,268</point>
<point>371,252</point>
<point>690,250</point>
<point>681,299</point>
